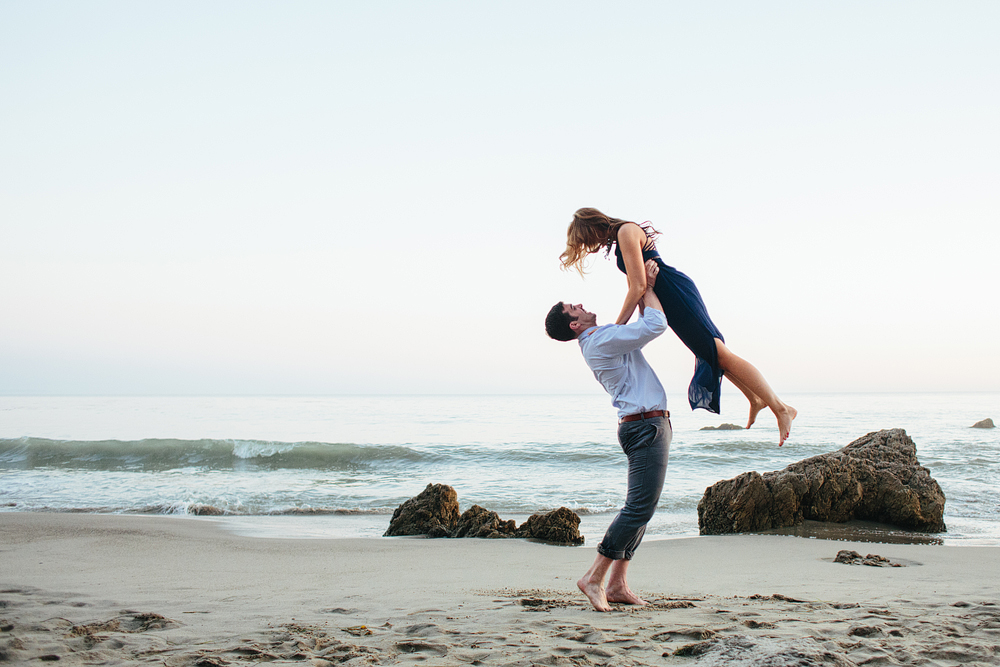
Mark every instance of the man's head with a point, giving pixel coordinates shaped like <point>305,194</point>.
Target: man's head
<point>566,321</point>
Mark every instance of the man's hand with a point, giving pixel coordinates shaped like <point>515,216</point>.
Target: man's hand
<point>652,270</point>
<point>649,299</point>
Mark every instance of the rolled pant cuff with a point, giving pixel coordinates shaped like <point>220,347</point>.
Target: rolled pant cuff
<point>613,555</point>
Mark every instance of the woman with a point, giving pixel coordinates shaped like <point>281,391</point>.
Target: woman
<point>686,314</point>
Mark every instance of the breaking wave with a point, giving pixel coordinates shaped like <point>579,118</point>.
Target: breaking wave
<point>157,454</point>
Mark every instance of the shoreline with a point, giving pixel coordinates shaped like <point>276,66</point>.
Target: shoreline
<point>360,525</point>
<point>206,593</point>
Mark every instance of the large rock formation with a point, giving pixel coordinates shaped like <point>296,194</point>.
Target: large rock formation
<point>561,526</point>
<point>986,423</point>
<point>480,522</point>
<point>433,512</point>
<point>875,478</point>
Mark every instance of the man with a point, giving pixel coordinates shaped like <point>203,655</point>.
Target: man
<point>614,353</point>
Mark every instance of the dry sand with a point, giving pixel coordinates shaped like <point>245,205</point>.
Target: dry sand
<point>88,589</point>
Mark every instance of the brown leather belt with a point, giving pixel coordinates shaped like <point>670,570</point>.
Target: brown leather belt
<point>644,415</point>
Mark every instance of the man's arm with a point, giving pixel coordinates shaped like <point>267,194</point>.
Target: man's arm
<point>649,298</point>
<point>622,339</point>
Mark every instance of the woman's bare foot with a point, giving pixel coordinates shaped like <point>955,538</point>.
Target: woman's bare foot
<point>595,593</point>
<point>785,416</point>
<point>624,596</point>
<point>756,405</point>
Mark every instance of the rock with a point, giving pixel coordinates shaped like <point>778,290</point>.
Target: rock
<point>875,478</point>
<point>722,427</point>
<point>847,556</point>
<point>480,522</point>
<point>205,510</point>
<point>986,423</point>
<point>561,526</point>
<point>433,512</point>
<point>875,560</point>
<point>854,558</point>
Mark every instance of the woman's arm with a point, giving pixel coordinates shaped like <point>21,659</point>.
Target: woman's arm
<point>631,239</point>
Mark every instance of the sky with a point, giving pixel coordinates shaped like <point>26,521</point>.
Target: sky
<point>371,197</point>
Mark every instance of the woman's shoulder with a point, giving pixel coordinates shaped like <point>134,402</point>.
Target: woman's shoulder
<point>630,227</point>
<point>631,232</point>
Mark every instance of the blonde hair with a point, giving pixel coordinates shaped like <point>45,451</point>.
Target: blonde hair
<point>590,231</point>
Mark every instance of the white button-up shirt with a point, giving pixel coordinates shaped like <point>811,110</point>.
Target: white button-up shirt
<point>614,353</point>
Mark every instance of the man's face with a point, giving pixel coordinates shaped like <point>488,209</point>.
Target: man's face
<point>583,319</point>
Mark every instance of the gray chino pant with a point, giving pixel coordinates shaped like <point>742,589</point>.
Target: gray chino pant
<point>646,443</point>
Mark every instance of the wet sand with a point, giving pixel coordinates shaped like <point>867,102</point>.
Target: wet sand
<point>90,589</point>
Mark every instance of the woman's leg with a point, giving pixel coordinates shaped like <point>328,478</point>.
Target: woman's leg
<point>756,402</point>
<point>742,372</point>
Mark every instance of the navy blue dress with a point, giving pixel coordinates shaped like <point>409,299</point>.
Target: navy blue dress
<point>688,317</point>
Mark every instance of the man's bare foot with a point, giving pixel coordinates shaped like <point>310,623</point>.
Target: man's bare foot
<point>785,417</point>
<point>624,596</point>
<point>595,593</point>
<point>755,407</point>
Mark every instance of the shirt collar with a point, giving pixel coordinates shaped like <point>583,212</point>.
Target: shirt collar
<point>587,333</point>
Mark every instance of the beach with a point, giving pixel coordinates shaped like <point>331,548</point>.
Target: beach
<point>112,589</point>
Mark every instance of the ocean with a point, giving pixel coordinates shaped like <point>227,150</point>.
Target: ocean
<point>337,466</point>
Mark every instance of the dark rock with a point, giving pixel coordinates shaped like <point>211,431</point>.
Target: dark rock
<point>854,558</point>
<point>875,560</point>
<point>847,556</point>
<point>722,427</point>
<point>433,512</point>
<point>986,423</point>
<point>561,526</point>
<point>205,510</point>
<point>875,478</point>
<point>480,522</point>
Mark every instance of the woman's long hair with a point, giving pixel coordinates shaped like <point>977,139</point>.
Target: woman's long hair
<point>590,231</point>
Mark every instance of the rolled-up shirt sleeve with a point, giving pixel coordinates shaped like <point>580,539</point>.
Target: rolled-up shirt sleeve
<point>634,336</point>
